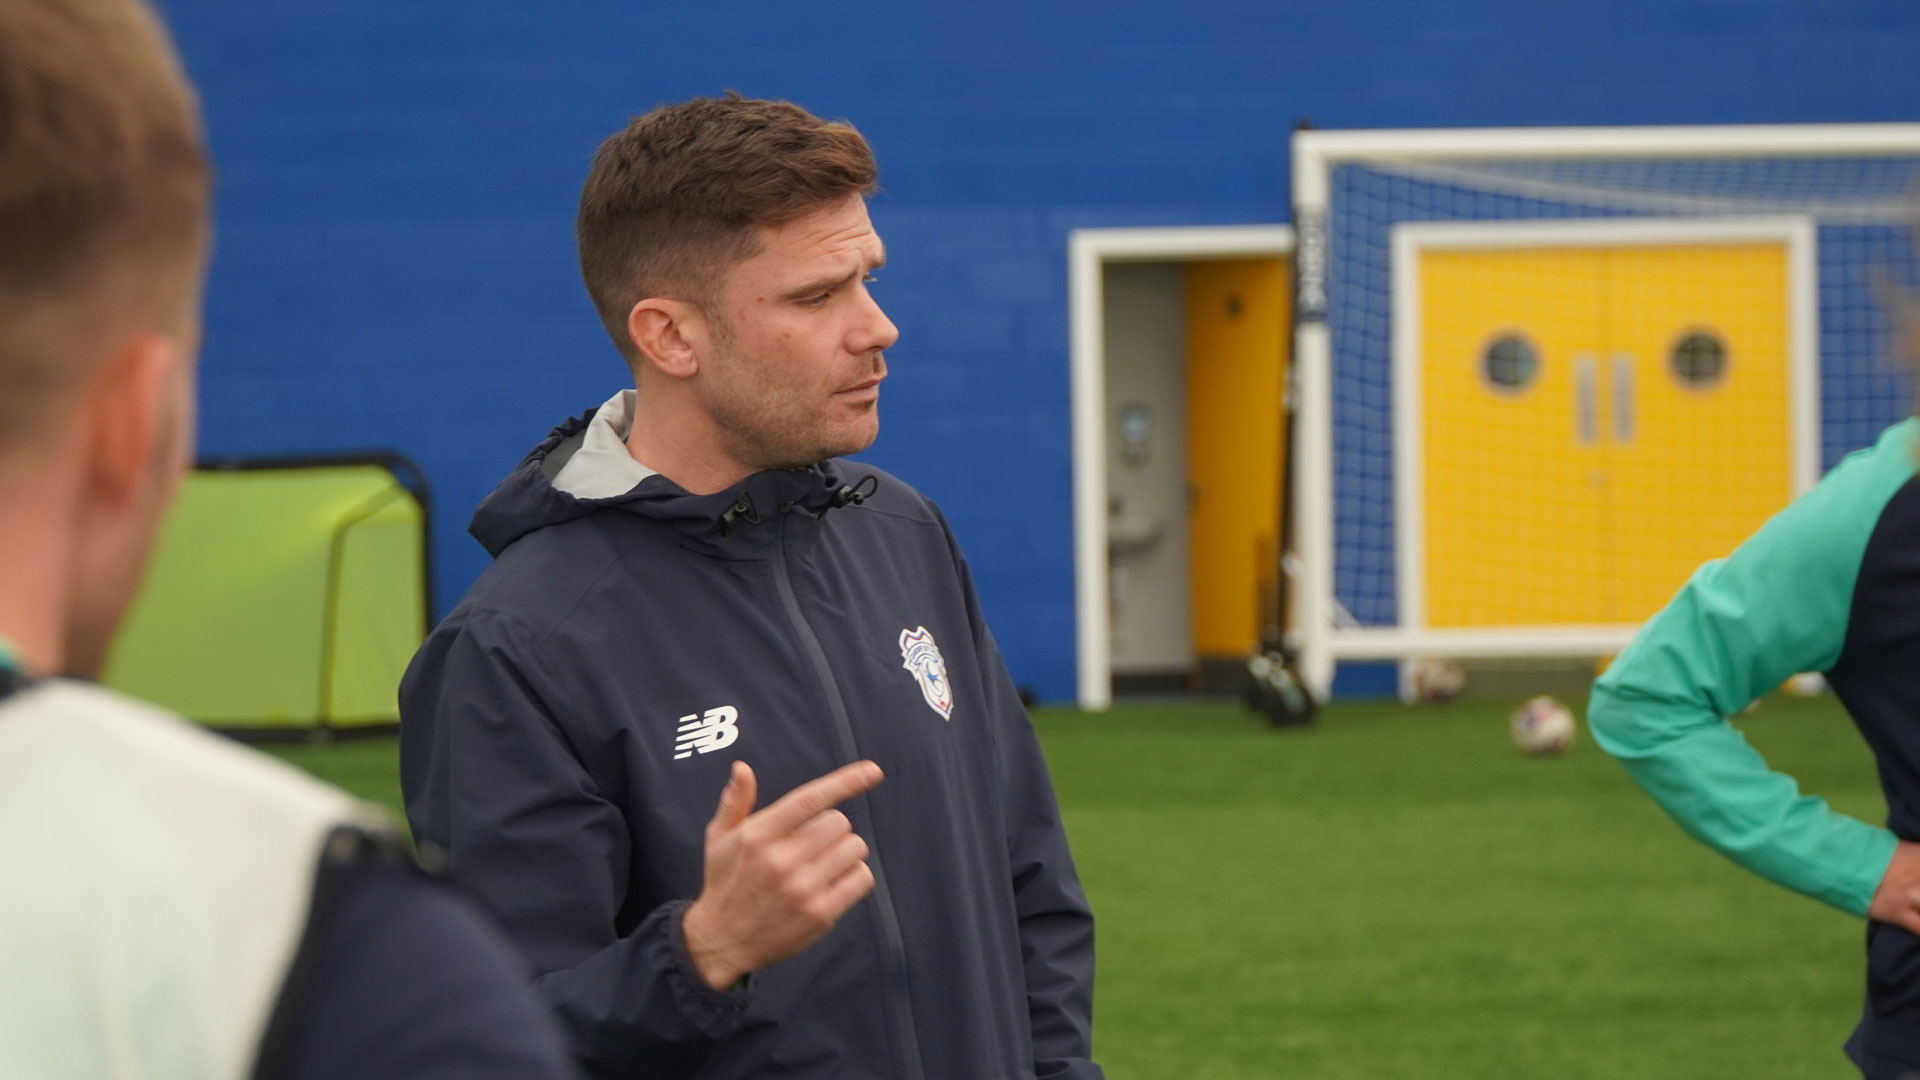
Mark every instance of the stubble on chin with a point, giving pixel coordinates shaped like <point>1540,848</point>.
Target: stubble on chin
<point>766,427</point>
<point>800,448</point>
<point>765,438</point>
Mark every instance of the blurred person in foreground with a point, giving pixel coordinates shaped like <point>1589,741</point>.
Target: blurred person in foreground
<point>695,600</point>
<point>1831,584</point>
<point>171,905</point>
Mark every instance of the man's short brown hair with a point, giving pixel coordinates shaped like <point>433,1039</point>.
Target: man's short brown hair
<point>104,193</point>
<point>671,202</point>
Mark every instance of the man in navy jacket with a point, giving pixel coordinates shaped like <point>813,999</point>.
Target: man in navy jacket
<point>693,599</point>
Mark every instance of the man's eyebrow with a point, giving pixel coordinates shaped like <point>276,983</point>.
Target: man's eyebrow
<point>822,285</point>
<point>818,286</point>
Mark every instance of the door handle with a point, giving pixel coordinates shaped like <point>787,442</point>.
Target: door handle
<point>1586,406</point>
<point>1622,397</point>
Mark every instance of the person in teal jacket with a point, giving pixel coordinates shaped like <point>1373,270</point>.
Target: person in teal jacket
<point>1830,584</point>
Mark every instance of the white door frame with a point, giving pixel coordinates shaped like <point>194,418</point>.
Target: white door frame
<point>1795,233</point>
<point>1088,252</point>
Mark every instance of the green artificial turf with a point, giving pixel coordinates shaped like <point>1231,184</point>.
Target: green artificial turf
<point>1397,893</point>
<point>370,767</point>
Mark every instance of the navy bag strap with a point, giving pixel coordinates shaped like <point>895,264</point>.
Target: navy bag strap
<point>12,681</point>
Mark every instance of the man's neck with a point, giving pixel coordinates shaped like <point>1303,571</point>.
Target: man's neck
<point>682,444</point>
<point>33,574</point>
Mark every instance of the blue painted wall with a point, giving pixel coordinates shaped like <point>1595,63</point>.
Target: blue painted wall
<point>397,180</point>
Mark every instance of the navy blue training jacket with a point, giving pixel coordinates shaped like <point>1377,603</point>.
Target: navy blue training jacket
<point>567,730</point>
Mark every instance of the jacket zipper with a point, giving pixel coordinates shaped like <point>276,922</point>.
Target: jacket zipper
<point>895,943</point>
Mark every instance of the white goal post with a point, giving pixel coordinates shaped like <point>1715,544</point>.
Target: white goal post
<point>1838,200</point>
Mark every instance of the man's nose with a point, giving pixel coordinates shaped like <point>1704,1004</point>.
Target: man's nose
<point>876,332</point>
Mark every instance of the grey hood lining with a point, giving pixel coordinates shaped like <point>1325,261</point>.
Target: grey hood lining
<point>594,463</point>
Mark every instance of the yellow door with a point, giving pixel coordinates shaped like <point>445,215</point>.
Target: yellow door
<point>1597,422</point>
<point>1514,470</point>
<point>1697,351</point>
<point>1237,314</point>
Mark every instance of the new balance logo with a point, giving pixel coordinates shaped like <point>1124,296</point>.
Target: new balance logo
<point>704,734</point>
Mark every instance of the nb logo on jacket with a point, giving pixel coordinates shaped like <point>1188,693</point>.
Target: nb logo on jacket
<point>703,734</point>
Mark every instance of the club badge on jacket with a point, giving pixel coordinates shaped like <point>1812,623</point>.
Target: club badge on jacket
<point>921,657</point>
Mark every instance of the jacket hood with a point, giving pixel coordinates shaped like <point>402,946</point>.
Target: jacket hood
<point>527,499</point>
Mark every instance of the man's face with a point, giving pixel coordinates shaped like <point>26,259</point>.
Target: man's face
<point>793,373</point>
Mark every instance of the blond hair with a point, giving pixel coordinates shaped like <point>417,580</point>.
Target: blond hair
<point>105,189</point>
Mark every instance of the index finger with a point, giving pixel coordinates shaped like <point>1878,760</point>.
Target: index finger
<point>820,794</point>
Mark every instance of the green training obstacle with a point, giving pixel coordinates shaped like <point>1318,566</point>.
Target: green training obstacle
<point>284,598</point>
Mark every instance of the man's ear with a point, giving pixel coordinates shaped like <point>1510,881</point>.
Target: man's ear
<point>132,419</point>
<point>670,336</point>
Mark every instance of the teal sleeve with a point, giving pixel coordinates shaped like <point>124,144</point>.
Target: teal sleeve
<point>1743,625</point>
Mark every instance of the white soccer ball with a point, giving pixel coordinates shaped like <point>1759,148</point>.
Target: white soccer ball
<point>1542,726</point>
<point>1433,680</point>
<point>1806,684</point>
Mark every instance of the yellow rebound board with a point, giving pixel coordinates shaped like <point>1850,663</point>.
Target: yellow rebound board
<point>1651,432</point>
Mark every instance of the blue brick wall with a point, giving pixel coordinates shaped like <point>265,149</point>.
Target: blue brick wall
<point>395,265</point>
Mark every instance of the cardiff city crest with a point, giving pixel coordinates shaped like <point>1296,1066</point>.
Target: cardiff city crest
<point>921,657</point>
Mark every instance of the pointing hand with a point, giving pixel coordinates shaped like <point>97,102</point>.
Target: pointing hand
<point>776,881</point>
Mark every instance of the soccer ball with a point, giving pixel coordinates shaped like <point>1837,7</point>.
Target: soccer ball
<point>1432,680</point>
<point>1806,684</point>
<point>1542,726</point>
